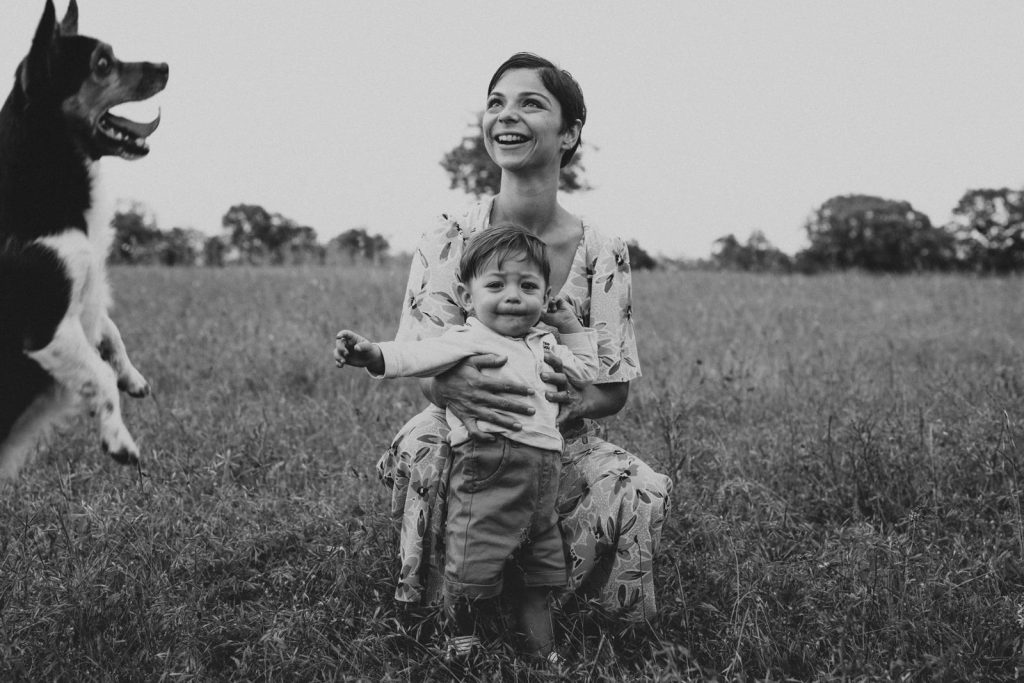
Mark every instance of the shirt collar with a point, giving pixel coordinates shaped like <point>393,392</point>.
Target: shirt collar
<point>474,322</point>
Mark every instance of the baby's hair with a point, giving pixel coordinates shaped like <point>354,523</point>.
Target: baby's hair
<point>500,242</point>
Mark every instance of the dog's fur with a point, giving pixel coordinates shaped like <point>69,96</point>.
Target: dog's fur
<point>60,353</point>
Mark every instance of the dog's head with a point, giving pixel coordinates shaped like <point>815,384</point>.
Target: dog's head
<point>81,78</point>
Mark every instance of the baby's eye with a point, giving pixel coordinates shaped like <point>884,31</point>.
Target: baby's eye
<point>531,286</point>
<point>493,285</point>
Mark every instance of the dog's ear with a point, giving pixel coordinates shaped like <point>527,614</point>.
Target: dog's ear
<point>35,69</point>
<point>69,24</point>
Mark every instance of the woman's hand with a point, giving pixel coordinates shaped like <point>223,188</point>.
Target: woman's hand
<point>567,395</point>
<point>473,396</point>
<point>591,401</point>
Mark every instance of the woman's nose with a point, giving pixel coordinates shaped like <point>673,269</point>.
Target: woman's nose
<point>508,112</point>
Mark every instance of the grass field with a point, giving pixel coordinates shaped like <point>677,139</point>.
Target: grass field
<point>845,453</point>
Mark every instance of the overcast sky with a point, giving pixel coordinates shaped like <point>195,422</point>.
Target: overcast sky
<point>708,117</point>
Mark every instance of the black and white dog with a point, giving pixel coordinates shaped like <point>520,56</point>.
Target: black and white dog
<point>60,353</point>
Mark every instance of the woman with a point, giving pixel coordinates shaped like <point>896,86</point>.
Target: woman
<point>612,505</point>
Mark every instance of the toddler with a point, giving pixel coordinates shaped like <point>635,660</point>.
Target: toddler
<point>501,498</point>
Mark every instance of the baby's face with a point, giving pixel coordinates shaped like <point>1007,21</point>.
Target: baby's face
<point>509,297</point>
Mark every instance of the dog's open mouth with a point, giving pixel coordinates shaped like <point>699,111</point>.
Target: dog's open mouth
<point>124,137</point>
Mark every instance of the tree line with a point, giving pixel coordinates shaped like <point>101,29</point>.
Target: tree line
<point>986,235</point>
<point>250,235</point>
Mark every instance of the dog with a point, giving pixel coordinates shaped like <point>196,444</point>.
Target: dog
<point>60,353</point>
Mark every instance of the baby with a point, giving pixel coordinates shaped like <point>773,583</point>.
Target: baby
<point>501,499</point>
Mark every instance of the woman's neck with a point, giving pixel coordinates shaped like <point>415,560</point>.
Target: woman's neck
<point>531,203</point>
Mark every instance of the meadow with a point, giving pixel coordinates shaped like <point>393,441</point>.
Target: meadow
<point>844,448</point>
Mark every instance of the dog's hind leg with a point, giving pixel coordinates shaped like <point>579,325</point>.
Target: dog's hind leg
<point>31,429</point>
<point>76,365</point>
<point>112,350</point>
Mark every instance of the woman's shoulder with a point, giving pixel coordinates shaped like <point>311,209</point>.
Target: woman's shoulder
<point>600,242</point>
<point>443,240</point>
<point>463,221</point>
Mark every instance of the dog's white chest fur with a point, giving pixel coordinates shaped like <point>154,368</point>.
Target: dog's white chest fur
<point>85,260</point>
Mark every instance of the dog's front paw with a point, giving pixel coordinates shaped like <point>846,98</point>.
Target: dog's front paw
<point>121,447</point>
<point>133,383</point>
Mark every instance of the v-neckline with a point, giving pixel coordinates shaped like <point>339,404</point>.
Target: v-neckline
<point>575,254</point>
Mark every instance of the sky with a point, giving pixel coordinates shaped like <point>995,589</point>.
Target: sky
<point>704,118</point>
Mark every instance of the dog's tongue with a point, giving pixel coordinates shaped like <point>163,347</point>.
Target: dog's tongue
<point>139,130</point>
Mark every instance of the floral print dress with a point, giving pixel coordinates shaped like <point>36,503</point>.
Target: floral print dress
<point>611,504</point>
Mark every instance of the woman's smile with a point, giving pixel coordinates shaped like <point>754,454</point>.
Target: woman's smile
<point>510,138</point>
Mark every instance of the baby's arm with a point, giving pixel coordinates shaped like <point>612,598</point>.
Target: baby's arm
<point>358,351</point>
<point>578,353</point>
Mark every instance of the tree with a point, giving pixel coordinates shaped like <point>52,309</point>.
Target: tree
<point>358,242</point>
<point>260,235</point>
<point>180,247</point>
<point>246,225</point>
<point>878,235</point>
<point>303,246</point>
<point>471,170</point>
<point>214,250</point>
<point>758,254</point>
<point>136,236</point>
<point>639,259</point>
<point>990,225</point>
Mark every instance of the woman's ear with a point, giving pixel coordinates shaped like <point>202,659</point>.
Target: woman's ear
<point>465,297</point>
<point>571,135</point>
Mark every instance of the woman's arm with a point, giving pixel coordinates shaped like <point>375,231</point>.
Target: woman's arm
<point>595,401</point>
<point>611,314</point>
<point>473,396</point>
<point>592,401</point>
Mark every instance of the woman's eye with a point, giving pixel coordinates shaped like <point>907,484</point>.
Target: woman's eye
<point>493,103</point>
<point>531,103</point>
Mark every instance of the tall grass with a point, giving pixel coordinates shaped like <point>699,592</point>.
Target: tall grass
<point>844,449</point>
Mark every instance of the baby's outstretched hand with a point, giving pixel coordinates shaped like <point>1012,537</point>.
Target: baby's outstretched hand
<point>351,348</point>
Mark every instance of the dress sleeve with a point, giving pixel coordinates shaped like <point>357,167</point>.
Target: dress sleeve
<point>611,312</point>
<point>430,304</point>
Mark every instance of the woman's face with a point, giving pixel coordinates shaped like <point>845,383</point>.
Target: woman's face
<point>522,123</point>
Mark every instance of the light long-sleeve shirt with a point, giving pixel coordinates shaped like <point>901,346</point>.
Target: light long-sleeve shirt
<point>432,356</point>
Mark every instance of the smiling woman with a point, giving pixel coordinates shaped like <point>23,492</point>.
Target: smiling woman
<point>539,96</point>
<point>611,504</point>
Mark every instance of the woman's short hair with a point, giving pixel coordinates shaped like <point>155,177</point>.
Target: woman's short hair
<point>559,82</point>
<point>500,242</point>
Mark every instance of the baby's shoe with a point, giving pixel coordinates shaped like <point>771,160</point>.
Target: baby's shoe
<point>556,663</point>
<point>462,648</point>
